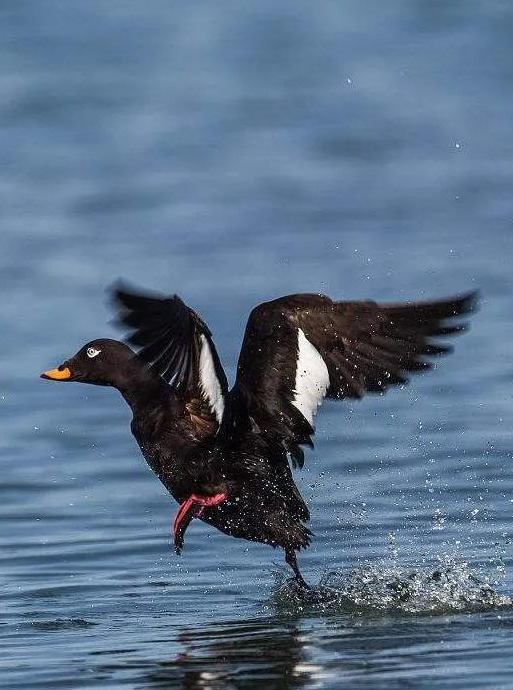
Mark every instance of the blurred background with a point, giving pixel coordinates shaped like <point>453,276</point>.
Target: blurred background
<point>232,153</point>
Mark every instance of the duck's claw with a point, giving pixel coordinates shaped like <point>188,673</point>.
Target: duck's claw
<point>189,509</point>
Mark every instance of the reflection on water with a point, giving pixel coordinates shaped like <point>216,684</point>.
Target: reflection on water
<point>255,654</point>
<point>293,652</point>
<point>359,624</point>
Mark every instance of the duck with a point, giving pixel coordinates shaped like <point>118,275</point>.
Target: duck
<point>227,455</point>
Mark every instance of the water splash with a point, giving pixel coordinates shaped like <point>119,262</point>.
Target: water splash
<point>450,588</point>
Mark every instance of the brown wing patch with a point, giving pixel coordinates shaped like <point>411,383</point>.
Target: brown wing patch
<point>201,418</point>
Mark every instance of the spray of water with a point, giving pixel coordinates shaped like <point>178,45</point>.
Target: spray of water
<point>384,589</point>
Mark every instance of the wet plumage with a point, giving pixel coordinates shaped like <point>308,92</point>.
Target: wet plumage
<point>225,454</point>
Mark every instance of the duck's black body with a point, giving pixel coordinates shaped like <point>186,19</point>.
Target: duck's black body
<point>263,505</point>
<point>224,454</point>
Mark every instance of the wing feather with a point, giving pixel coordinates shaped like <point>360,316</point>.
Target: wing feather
<point>301,348</point>
<point>177,345</point>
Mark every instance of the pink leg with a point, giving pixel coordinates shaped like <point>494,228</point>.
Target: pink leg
<point>189,509</point>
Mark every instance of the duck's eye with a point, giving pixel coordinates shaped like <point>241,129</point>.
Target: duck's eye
<point>92,352</point>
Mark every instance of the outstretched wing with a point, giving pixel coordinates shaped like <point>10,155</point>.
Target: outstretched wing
<point>177,345</point>
<point>302,348</point>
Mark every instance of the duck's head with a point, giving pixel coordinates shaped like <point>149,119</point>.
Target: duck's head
<point>103,362</point>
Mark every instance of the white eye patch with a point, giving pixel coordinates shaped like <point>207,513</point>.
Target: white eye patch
<point>92,352</point>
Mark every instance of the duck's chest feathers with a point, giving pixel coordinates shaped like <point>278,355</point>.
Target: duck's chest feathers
<point>172,452</point>
<point>159,442</point>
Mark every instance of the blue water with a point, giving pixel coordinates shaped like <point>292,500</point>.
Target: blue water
<point>232,153</point>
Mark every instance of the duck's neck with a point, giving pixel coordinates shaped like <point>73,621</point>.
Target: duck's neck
<point>143,390</point>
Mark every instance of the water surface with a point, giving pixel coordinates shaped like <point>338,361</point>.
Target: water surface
<point>233,154</point>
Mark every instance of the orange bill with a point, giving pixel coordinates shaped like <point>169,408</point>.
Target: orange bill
<point>57,374</point>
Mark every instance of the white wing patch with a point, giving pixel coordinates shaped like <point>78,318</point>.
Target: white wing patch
<point>312,378</point>
<point>208,381</point>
